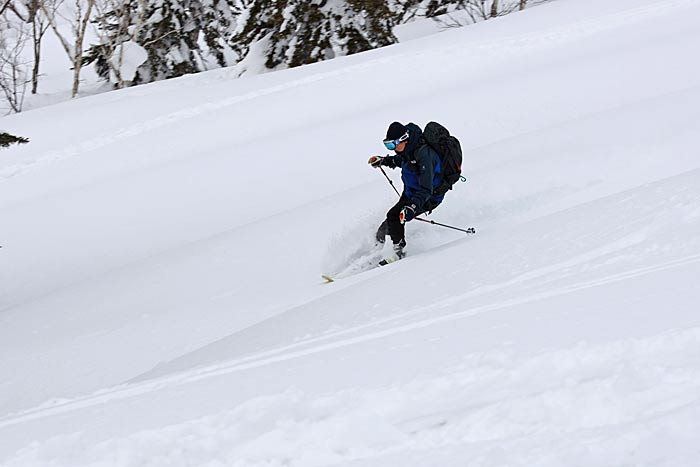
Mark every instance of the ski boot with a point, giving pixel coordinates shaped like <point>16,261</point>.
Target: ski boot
<point>398,253</point>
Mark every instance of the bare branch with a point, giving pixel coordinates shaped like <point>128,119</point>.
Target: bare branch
<point>79,25</point>
<point>4,7</point>
<point>52,22</point>
<point>13,76</point>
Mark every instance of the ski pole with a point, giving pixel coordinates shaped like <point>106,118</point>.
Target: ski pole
<point>470,230</point>
<point>391,182</point>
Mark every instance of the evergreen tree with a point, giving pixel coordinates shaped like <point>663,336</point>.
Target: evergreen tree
<point>179,36</point>
<point>188,36</point>
<point>183,37</point>
<point>299,32</point>
<point>114,24</point>
<point>6,139</point>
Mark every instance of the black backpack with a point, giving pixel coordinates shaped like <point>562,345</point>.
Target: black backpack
<point>438,138</point>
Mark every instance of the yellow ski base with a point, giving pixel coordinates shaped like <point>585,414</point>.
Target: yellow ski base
<point>327,278</point>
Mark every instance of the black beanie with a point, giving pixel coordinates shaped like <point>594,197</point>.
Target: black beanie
<point>396,130</point>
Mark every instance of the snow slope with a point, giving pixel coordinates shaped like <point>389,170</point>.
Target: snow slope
<point>160,299</point>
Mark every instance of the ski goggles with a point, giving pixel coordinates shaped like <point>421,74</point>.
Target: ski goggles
<point>392,143</point>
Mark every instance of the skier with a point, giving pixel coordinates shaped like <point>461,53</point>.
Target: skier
<point>421,175</point>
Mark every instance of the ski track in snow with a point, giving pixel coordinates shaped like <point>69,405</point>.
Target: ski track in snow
<point>152,124</point>
<point>333,340</point>
<point>566,395</point>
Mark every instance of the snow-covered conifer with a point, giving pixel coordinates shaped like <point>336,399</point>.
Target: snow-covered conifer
<point>167,38</point>
<point>297,32</point>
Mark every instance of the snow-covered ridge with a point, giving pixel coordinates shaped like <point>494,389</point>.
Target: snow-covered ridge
<point>160,299</point>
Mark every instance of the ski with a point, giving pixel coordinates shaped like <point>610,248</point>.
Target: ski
<point>329,278</point>
<point>362,260</point>
<point>386,261</point>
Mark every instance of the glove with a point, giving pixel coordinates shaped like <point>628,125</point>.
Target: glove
<point>407,213</point>
<point>375,161</point>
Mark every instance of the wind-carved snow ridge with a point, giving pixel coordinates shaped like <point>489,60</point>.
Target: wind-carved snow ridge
<point>141,127</point>
<point>587,395</point>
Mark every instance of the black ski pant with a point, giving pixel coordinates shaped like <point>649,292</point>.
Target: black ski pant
<point>393,227</point>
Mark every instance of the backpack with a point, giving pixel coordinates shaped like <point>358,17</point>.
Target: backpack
<point>450,152</point>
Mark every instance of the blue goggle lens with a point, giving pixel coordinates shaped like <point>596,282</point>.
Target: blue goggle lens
<point>392,143</point>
